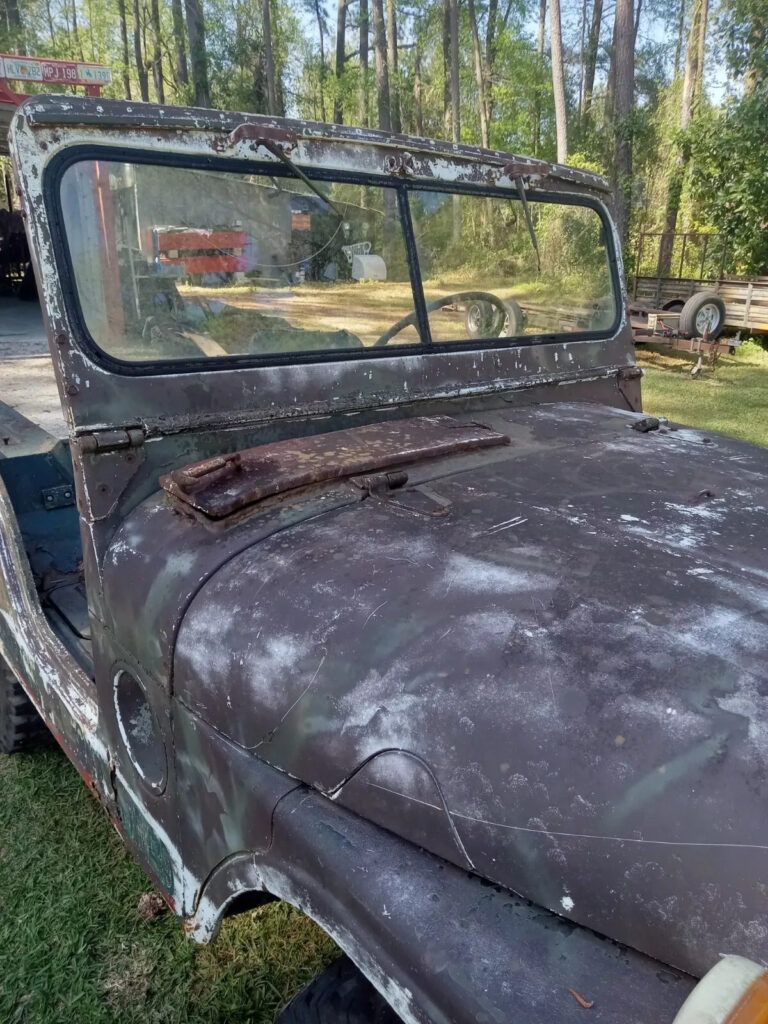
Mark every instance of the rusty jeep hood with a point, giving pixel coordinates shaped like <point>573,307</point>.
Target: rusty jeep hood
<point>560,683</point>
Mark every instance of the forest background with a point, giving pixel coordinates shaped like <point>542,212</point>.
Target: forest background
<point>667,98</point>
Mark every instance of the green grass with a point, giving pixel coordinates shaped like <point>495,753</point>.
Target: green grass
<point>72,945</point>
<point>73,949</point>
<point>731,399</point>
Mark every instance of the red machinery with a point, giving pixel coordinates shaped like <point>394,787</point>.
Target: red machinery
<point>201,252</point>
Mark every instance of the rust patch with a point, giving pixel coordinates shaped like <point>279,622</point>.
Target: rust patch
<point>220,486</point>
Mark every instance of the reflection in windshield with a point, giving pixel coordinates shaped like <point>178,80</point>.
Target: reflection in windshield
<point>476,254</point>
<point>175,263</point>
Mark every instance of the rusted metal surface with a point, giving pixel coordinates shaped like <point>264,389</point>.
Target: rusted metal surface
<point>537,664</point>
<point>73,111</point>
<point>223,485</point>
<point>534,686</point>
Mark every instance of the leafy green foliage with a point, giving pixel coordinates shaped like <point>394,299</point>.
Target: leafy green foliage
<point>729,177</point>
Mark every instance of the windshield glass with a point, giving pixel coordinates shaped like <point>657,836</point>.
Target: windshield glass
<point>173,263</point>
<point>481,275</point>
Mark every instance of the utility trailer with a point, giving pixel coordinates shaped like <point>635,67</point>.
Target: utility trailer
<point>684,274</point>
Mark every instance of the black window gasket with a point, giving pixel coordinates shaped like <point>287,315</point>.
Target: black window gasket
<point>81,153</point>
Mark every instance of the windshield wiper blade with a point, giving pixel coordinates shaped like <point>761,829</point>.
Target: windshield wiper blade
<point>528,220</point>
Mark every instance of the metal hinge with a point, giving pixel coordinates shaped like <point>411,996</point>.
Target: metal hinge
<point>110,440</point>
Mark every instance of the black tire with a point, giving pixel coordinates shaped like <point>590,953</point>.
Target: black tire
<point>673,306</point>
<point>484,320</point>
<point>20,725</point>
<point>340,995</point>
<point>700,309</point>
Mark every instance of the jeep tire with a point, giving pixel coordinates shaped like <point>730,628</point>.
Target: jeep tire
<point>20,724</point>
<point>340,995</point>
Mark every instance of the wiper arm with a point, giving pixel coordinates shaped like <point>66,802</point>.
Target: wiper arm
<point>284,158</point>
<point>528,220</point>
<point>275,140</point>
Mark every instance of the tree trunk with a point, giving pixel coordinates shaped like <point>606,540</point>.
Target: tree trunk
<point>624,90</point>
<point>590,61</point>
<point>418,92</point>
<point>157,53</point>
<point>455,86</point>
<point>540,72</point>
<point>610,89</point>
<point>694,63</point>
<point>76,31</point>
<point>198,57</point>
<point>680,34</point>
<point>756,67</point>
<point>382,68</point>
<point>582,58</point>
<point>11,15</point>
<point>638,10</point>
<point>694,60</point>
<point>482,108</point>
<point>447,68</point>
<point>124,48</point>
<point>364,63</point>
<point>182,71</point>
<point>455,106</point>
<point>321,31</point>
<point>490,57</point>
<point>269,56</point>
<point>341,46</point>
<point>698,90</point>
<point>394,77</point>
<point>141,69</point>
<point>51,29</point>
<point>558,81</point>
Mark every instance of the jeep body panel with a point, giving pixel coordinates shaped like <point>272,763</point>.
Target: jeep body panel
<point>377,700</point>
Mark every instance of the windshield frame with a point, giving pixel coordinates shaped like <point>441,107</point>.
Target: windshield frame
<point>401,186</point>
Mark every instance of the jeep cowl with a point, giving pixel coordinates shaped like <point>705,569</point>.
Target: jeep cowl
<point>360,579</point>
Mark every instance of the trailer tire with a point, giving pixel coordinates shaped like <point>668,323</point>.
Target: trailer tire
<point>21,726</point>
<point>340,995</point>
<point>703,310</point>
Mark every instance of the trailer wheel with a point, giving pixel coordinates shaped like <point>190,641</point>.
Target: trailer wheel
<point>340,995</point>
<point>704,311</point>
<point>20,725</point>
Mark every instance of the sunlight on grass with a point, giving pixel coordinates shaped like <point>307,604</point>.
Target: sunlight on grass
<point>731,399</point>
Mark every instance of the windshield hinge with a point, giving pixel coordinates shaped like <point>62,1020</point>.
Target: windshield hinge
<point>110,440</point>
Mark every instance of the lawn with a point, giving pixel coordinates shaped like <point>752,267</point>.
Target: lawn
<point>731,399</point>
<point>73,947</point>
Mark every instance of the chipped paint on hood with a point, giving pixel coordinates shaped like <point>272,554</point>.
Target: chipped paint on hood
<point>568,694</point>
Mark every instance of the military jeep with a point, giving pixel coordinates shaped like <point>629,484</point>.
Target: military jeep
<point>360,580</point>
